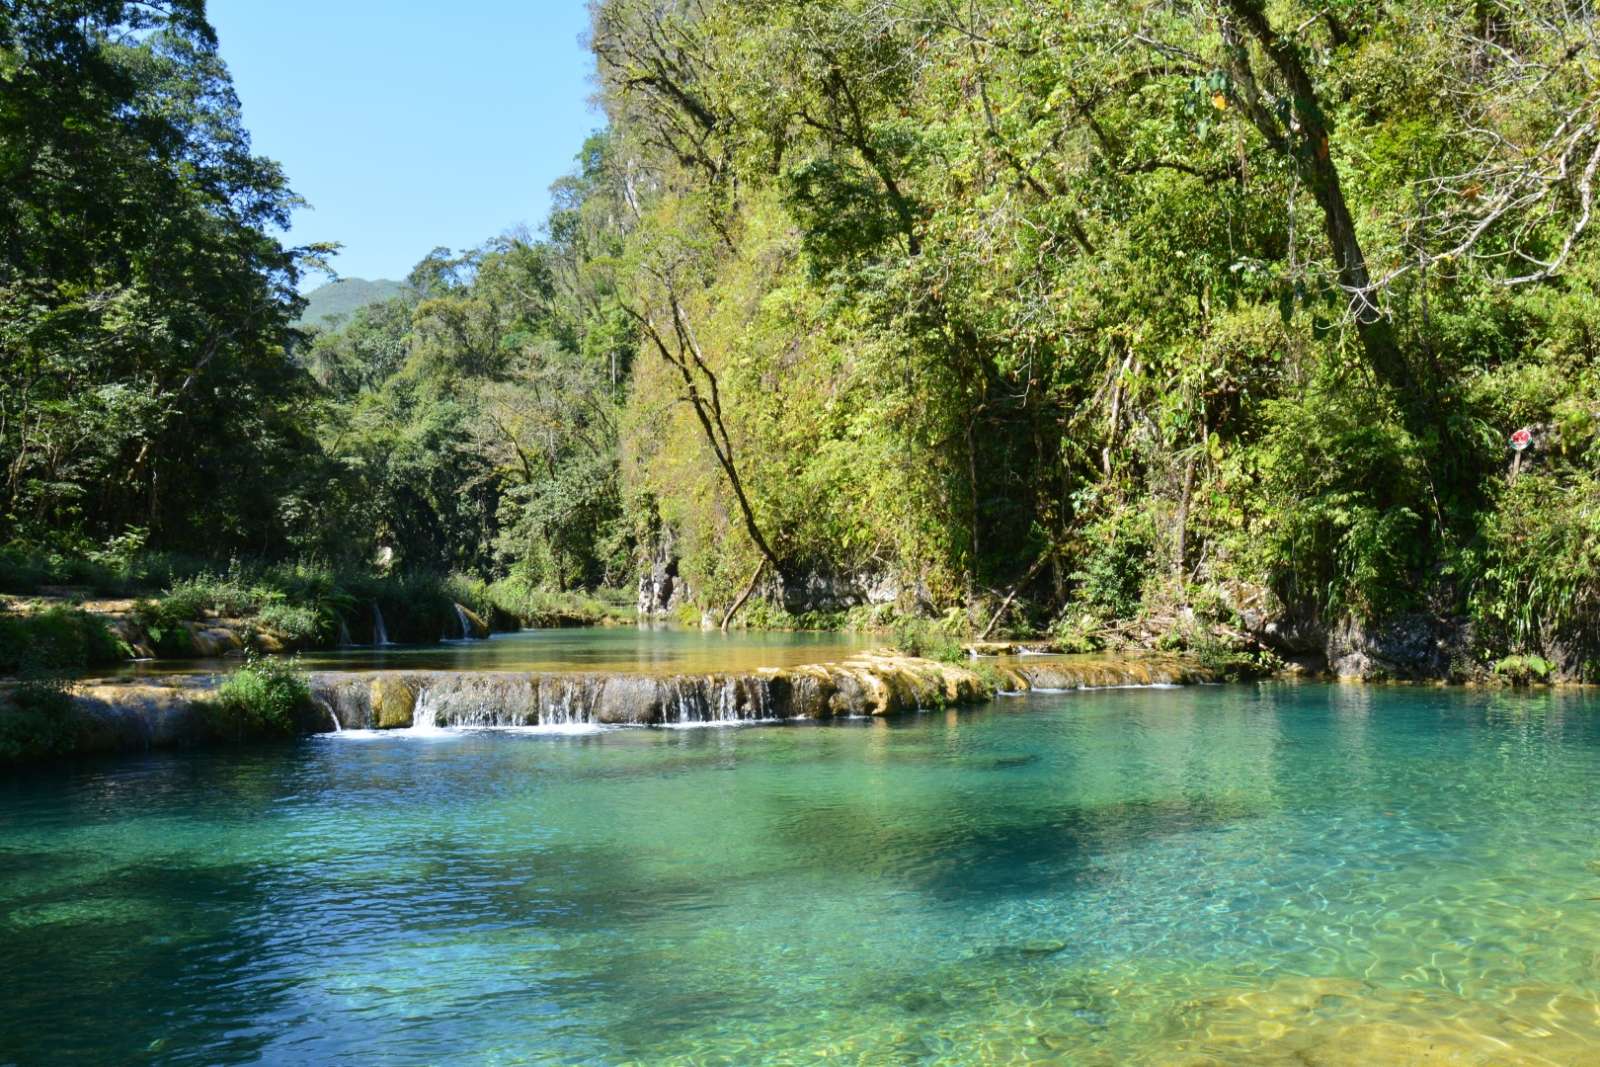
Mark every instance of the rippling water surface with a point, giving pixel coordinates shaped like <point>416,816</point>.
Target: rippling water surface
<point>1313,875</point>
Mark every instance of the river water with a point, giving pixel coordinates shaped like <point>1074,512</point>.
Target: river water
<point>1232,875</point>
<point>615,649</point>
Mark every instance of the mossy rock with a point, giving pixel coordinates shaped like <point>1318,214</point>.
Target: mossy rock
<point>394,703</point>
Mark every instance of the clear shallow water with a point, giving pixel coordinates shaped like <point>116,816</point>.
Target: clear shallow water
<point>1220,874</point>
<point>630,649</point>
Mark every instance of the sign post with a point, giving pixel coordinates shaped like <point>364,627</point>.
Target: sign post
<point>1520,440</point>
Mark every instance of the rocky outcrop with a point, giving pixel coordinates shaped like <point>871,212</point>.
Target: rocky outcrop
<point>1408,648</point>
<point>809,589</point>
<point>213,640</point>
<point>1101,672</point>
<point>826,591</point>
<point>178,712</point>
<point>661,591</point>
<point>391,702</point>
<point>136,717</point>
<point>1411,648</point>
<point>872,684</point>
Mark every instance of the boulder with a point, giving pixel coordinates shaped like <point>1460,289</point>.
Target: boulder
<point>472,622</point>
<point>393,702</point>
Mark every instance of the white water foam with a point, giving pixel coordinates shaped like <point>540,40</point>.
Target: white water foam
<point>424,719</point>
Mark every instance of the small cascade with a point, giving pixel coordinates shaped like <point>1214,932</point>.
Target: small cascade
<point>466,623</point>
<point>762,692</point>
<point>333,716</point>
<point>712,699</point>
<point>424,716</point>
<point>344,634</point>
<point>566,704</point>
<point>867,684</point>
<point>380,632</point>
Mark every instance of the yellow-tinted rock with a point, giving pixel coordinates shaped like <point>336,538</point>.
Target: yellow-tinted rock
<point>212,641</point>
<point>266,642</point>
<point>393,703</point>
<point>473,622</point>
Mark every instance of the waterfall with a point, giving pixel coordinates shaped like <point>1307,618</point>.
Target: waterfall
<point>423,701</point>
<point>344,634</point>
<point>564,710</point>
<point>424,716</point>
<point>712,699</point>
<point>380,633</point>
<point>333,715</point>
<point>466,623</point>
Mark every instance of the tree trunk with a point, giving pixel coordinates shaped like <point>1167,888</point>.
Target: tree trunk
<point>750,587</point>
<point>1306,142</point>
<point>1182,523</point>
<point>707,407</point>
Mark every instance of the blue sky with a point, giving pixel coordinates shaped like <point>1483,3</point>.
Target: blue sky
<point>410,124</point>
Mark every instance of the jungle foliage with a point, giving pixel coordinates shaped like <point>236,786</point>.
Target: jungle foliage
<point>1037,316</point>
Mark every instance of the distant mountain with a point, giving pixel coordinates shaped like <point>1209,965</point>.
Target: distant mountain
<point>345,297</point>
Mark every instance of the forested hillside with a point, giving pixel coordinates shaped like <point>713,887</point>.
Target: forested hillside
<point>1177,322</point>
<point>332,304</point>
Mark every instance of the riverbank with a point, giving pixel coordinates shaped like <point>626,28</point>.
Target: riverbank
<point>183,610</point>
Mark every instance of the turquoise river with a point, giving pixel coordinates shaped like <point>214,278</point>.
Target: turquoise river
<point>1297,874</point>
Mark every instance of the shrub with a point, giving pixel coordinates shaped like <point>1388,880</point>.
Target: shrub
<point>188,599</point>
<point>36,722</point>
<point>21,571</point>
<point>930,640</point>
<point>870,617</point>
<point>517,598</point>
<point>56,640</point>
<point>1524,670</point>
<point>263,698</point>
<point>1112,568</point>
<point>163,623</point>
<point>292,621</point>
<point>992,679</point>
<point>1076,632</point>
<point>1540,584</point>
<point>1228,660</point>
<point>1342,493</point>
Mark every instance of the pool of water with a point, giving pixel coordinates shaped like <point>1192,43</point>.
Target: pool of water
<point>1231,875</point>
<point>630,649</point>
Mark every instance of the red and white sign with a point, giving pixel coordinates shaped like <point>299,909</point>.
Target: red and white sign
<point>1522,439</point>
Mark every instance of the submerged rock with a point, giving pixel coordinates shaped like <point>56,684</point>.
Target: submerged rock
<point>1041,947</point>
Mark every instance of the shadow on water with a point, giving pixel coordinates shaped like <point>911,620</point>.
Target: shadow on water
<point>962,859</point>
<point>95,967</point>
